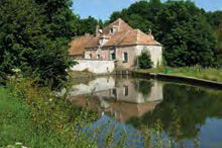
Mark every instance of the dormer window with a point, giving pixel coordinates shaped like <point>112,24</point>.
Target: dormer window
<point>113,30</point>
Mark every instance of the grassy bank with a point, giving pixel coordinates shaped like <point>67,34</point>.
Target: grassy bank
<point>32,116</point>
<point>16,124</point>
<point>212,74</point>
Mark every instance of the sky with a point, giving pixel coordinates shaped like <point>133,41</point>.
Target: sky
<point>102,9</point>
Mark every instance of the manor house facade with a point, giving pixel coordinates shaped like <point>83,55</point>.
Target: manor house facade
<point>117,42</point>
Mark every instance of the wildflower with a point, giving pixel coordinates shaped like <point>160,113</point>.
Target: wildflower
<point>18,143</point>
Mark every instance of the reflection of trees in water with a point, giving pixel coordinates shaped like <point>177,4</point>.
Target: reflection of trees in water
<point>144,87</point>
<point>184,110</point>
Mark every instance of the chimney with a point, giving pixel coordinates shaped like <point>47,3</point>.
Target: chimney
<point>97,30</point>
<point>87,34</point>
<point>150,34</point>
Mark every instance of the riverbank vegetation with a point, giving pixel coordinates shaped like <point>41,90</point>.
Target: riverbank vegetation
<point>35,117</point>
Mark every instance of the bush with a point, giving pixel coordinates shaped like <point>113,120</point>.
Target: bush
<point>145,60</point>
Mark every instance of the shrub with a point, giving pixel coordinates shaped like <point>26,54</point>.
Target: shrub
<point>144,60</point>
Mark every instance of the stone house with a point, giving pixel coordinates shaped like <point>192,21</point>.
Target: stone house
<point>117,42</point>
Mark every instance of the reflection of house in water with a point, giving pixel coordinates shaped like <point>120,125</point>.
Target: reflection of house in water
<point>96,85</point>
<point>121,98</point>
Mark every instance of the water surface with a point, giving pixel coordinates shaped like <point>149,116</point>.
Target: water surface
<point>190,115</point>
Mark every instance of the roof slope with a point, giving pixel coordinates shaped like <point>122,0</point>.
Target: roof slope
<point>120,24</point>
<point>78,44</point>
<point>137,37</point>
<point>125,36</point>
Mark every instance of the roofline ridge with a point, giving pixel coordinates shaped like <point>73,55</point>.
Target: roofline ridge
<point>137,35</point>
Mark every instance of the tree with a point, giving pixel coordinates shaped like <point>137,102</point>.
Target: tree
<point>144,60</point>
<point>88,25</point>
<point>59,19</point>
<point>215,19</point>
<point>186,35</point>
<point>25,43</point>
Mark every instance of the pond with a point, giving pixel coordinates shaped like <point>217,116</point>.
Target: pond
<point>184,115</point>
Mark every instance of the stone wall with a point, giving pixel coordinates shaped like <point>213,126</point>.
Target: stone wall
<point>94,66</point>
<point>134,51</point>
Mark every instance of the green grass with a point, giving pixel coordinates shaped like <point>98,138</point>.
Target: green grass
<point>37,119</point>
<point>14,121</point>
<point>212,74</point>
<point>16,124</point>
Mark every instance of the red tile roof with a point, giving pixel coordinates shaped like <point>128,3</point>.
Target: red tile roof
<point>77,45</point>
<point>125,36</point>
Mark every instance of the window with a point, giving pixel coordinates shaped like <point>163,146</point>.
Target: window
<point>111,30</point>
<point>113,56</point>
<point>114,29</point>
<point>90,56</point>
<point>125,57</point>
<point>98,56</point>
<point>126,91</point>
<point>114,92</point>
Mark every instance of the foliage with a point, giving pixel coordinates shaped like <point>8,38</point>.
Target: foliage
<point>31,43</point>
<point>144,60</point>
<point>186,35</point>
<point>181,27</point>
<point>215,19</point>
<point>88,25</point>
<point>34,116</point>
<point>59,20</point>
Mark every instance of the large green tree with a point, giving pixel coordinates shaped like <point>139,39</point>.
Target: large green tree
<point>186,35</point>
<point>59,19</point>
<point>26,43</point>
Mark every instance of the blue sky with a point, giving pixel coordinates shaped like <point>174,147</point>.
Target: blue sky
<point>102,9</point>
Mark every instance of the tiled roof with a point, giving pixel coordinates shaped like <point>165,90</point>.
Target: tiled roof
<point>125,36</point>
<point>137,37</point>
<point>120,24</point>
<point>78,44</point>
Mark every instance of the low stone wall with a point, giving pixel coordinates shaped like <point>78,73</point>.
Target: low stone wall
<point>176,78</point>
<point>95,66</point>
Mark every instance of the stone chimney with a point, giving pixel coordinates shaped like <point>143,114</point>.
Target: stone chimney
<point>97,30</point>
<point>150,34</point>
